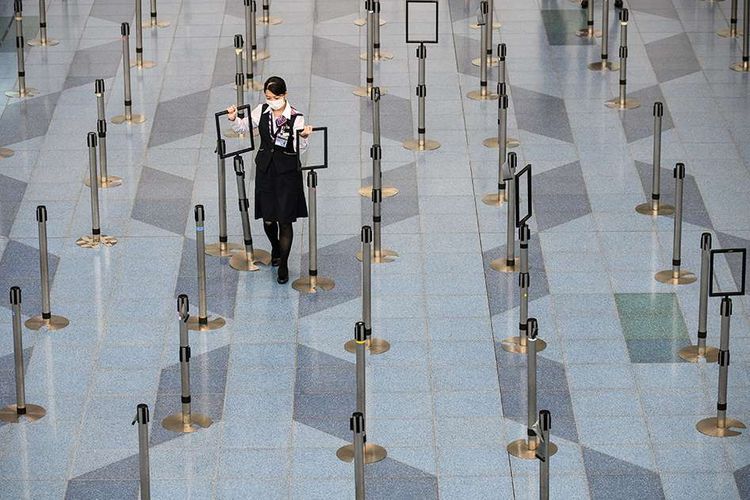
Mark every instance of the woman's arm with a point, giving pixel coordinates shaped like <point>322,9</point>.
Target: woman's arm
<point>299,124</point>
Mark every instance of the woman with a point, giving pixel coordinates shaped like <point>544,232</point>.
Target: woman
<point>279,191</point>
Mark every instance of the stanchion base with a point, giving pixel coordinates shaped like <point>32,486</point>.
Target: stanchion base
<point>494,199</point>
<point>374,344</point>
<point>491,61</point>
<point>304,285</point>
<point>361,22</point>
<point>6,153</point>
<point>385,192</point>
<point>143,65</point>
<point>383,56</point>
<point>51,324</point>
<point>513,344</point>
<point>10,413</point>
<point>174,423</point>
<point>254,85</point>
<point>223,249</point>
<point>666,277</point>
<point>710,427</point>
<point>119,119</point>
<point>604,66</point>
<point>520,449</point>
<point>693,354</point>
<point>414,145</point>
<point>495,25</point>
<point>384,257</point>
<point>194,324</point>
<point>241,262</point>
<point>373,453</point>
<point>493,143</point>
<point>364,92</point>
<point>271,21</point>
<point>105,182</point>
<point>37,42</point>
<point>742,67</point>
<point>501,265</point>
<point>261,55</point>
<point>729,33</point>
<point>585,33</point>
<point>159,24</point>
<point>616,103</point>
<point>90,242</point>
<point>647,209</point>
<point>29,92</point>
<point>476,95</point>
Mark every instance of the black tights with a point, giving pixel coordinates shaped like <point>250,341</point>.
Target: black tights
<point>280,234</point>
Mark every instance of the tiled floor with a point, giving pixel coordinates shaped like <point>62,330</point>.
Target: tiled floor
<point>446,399</point>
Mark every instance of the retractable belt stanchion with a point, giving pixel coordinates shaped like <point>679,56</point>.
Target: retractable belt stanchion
<point>380,255</point>
<point>385,191</point>
<point>105,180</point>
<point>128,117</point>
<point>744,64</point>
<point>604,64</point>
<point>502,123</point>
<point>509,263</point>
<point>95,238</point>
<point>139,62</point>
<point>498,198</point>
<point>43,41</point>
<point>266,17</point>
<point>655,207</point>
<point>378,54</point>
<point>247,260</point>
<point>362,21</point>
<point>251,35</point>
<point>373,452</point>
<point>357,426</point>
<point>155,23</point>
<point>185,420</point>
<point>527,448</point>
<point>485,24</point>
<point>223,248</point>
<point>482,94</point>
<point>312,283</point>
<point>693,353</point>
<point>622,101</point>
<point>543,454</point>
<point>374,344</point>
<point>23,90</point>
<point>589,31</point>
<point>366,91</point>
<point>13,413</point>
<point>421,143</point>
<point>494,24</point>
<point>676,276</point>
<point>144,469</point>
<point>731,30</point>
<point>46,319</point>
<point>202,323</point>
<point>239,84</point>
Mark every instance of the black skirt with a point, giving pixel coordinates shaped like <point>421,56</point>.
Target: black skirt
<point>279,197</point>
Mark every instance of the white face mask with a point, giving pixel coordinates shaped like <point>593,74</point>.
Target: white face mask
<point>276,104</point>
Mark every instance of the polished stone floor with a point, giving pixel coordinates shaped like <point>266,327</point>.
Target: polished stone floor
<point>446,399</point>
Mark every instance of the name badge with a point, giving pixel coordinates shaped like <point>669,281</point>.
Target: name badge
<point>282,137</point>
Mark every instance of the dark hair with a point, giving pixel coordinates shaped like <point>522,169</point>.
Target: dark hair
<point>276,85</point>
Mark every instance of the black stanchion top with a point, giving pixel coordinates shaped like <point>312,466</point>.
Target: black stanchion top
<point>502,101</point>
<point>679,171</point>
<point>366,234</point>
<point>376,152</point>
<point>238,41</point>
<point>200,214</point>
<point>142,413</point>
<point>357,422</point>
<point>658,109</point>
<point>524,233</point>
<point>624,15</point>
<point>706,241</point>
<point>512,160</point>
<point>221,147</point>
<point>15,296</point>
<point>501,52</point>
<point>545,420</point>
<point>125,29</point>
<point>726,306</point>
<point>18,6</point>
<point>502,89</point>
<point>312,179</point>
<point>532,328</point>
<point>247,3</point>
<point>99,86</point>
<point>239,166</point>
<point>239,79</point>
<point>370,5</point>
<point>359,332</point>
<point>91,139</point>
<point>183,304</point>
<point>375,94</point>
<point>101,127</point>
<point>41,213</point>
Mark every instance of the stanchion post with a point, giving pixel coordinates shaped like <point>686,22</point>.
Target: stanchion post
<point>545,425</point>
<point>13,413</point>
<point>677,276</point>
<point>378,54</point>
<point>589,31</point>
<point>105,180</point>
<point>128,117</point>
<point>604,64</point>
<point>693,353</point>
<point>46,319</point>
<point>385,191</point>
<point>655,207</point>
<point>239,85</point>
<point>498,198</point>
<point>139,62</point>
<point>744,65</point>
<point>731,30</point>
<point>502,85</point>
<point>247,260</point>
<point>366,91</point>
<point>155,23</point>
<point>201,322</point>
<point>23,90</point>
<point>43,41</point>
<point>266,17</point>
<point>380,255</point>
<point>144,469</point>
<point>357,426</point>
<point>222,248</point>
<point>622,101</point>
<point>485,48</point>
<point>312,283</point>
<point>185,421</point>
<point>421,143</point>
<point>95,239</point>
<point>509,264</point>
<point>251,50</point>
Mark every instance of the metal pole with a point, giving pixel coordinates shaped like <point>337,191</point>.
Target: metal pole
<point>23,91</point>
<point>485,53</point>
<point>604,64</point>
<point>202,323</point>
<point>622,101</point>
<point>655,207</point>
<point>380,255</point>
<point>357,426</point>
<point>589,31</point>
<point>251,52</point>
<point>744,65</point>
<point>246,261</point>
<point>378,55</point>
<point>366,91</point>
<point>385,191</point>
<point>731,31</point>
<point>139,62</point>
<point>676,276</point>
<point>43,41</point>
<point>96,238</point>
<point>694,353</point>
<point>155,23</point>
<point>498,198</point>
<point>312,282</point>
<point>509,264</point>
<point>142,419</point>
<point>223,248</point>
<point>421,144</point>
<point>545,424</point>
<point>128,117</point>
<point>266,17</point>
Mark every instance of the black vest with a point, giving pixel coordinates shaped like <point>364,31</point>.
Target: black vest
<point>284,159</point>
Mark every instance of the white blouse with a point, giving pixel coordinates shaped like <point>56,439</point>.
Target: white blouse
<point>241,126</point>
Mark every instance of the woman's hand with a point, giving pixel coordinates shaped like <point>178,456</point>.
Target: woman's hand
<point>232,110</point>
<point>306,131</point>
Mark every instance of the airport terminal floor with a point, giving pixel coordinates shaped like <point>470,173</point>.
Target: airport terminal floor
<point>499,314</point>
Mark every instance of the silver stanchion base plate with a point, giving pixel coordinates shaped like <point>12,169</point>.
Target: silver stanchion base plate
<point>174,422</point>
<point>494,199</point>
<point>159,24</point>
<point>491,61</point>
<point>492,143</point>
<point>383,56</point>
<point>476,95</point>
<point>520,449</point>
<point>501,265</point>
<point>373,453</point>
<point>91,242</point>
<point>361,21</point>
<point>740,66</point>
<point>585,33</point>
<point>616,103</point>
<point>385,192</point>
<point>231,134</point>
<point>667,277</point>
<point>374,344</point>
<point>514,345</point>
<point>728,33</point>
<point>693,354</point>
<point>270,20</point>
<point>143,65</point>
<point>119,119</point>
<point>254,85</point>
<point>195,325</point>
<point>604,66</point>
<point>37,42</point>
<point>647,209</point>
<point>261,55</point>
<point>305,285</point>
<point>29,92</point>
<point>6,153</point>
<point>710,427</point>
<point>223,249</point>
<point>10,413</point>
<point>105,182</point>
<point>364,92</point>
<point>52,324</point>
<point>413,145</point>
<point>241,262</point>
<point>495,25</point>
<point>384,257</point>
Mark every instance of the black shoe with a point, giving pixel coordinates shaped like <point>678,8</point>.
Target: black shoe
<point>283,276</point>
<point>275,257</point>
